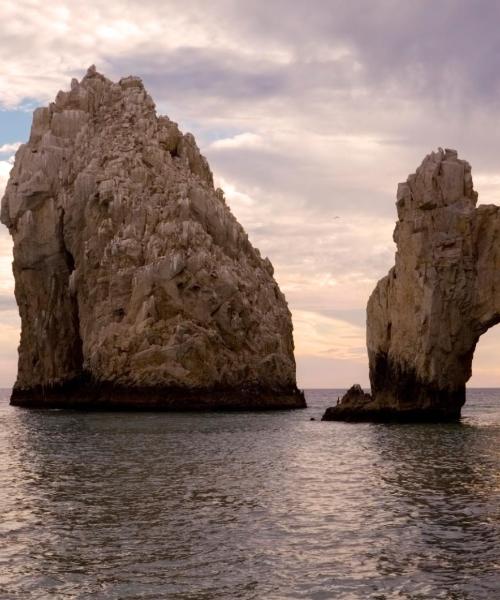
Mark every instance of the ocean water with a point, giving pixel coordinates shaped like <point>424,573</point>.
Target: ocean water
<point>249,505</point>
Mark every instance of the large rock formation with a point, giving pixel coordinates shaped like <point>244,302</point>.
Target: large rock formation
<point>135,283</point>
<point>425,317</point>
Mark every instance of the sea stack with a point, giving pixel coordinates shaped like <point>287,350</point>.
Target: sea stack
<point>137,287</point>
<point>425,317</point>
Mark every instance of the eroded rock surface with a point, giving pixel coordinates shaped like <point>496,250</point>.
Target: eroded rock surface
<point>425,317</point>
<point>135,284</point>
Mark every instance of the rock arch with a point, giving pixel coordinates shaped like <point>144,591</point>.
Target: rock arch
<point>425,317</point>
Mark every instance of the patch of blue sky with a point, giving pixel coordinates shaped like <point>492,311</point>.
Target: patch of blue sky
<point>208,136</point>
<point>15,125</point>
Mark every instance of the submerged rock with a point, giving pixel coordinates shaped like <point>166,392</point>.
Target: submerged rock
<point>136,285</point>
<point>425,317</point>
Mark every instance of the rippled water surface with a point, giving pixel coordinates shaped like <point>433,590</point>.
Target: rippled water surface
<point>249,505</point>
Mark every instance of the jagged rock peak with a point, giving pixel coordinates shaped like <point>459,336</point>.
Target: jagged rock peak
<point>135,284</point>
<point>425,317</point>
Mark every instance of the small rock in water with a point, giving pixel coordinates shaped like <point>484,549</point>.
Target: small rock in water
<point>346,409</point>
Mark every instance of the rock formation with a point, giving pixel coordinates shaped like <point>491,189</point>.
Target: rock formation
<point>425,317</point>
<point>135,284</point>
<point>353,400</point>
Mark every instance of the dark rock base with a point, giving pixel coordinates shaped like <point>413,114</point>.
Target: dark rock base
<point>385,415</point>
<point>397,387</point>
<point>420,405</point>
<point>84,394</point>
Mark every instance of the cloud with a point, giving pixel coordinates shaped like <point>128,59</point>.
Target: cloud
<point>403,49</point>
<point>315,333</point>
<point>10,325</point>
<point>489,186</point>
<point>309,119</point>
<point>7,302</point>
<point>6,277</point>
<point>312,248</point>
<point>9,148</point>
<point>260,50</point>
<point>241,140</point>
<point>324,372</point>
<point>485,368</point>
<point>5,168</point>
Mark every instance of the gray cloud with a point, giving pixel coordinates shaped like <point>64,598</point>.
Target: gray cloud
<point>419,47</point>
<point>344,99</point>
<point>229,74</point>
<point>446,53</point>
<point>7,302</point>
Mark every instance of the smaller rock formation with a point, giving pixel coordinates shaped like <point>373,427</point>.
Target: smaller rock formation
<point>354,401</point>
<point>136,285</point>
<point>425,317</point>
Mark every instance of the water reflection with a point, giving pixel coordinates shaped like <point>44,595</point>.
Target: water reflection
<point>443,488</point>
<point>247,506</point>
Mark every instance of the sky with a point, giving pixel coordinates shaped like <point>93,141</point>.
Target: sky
<point>309,113</point>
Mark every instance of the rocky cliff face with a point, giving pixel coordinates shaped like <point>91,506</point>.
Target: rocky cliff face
<point>135,284</point>
<point>425,317</point>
